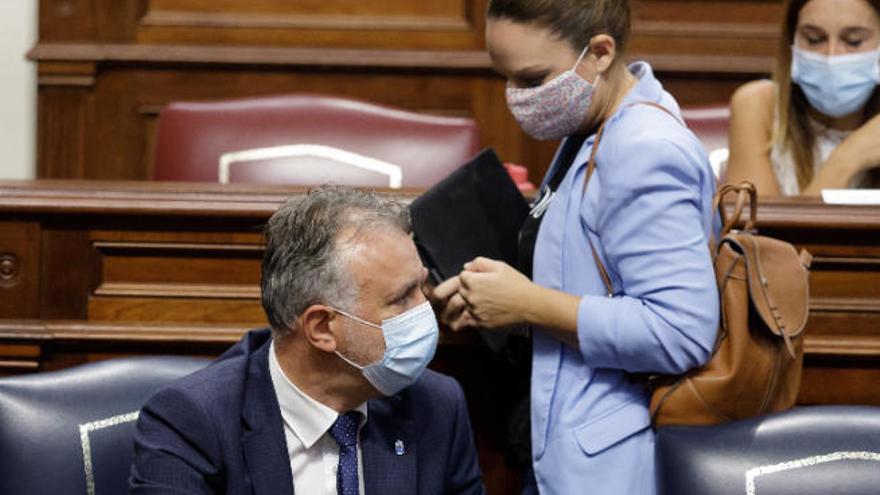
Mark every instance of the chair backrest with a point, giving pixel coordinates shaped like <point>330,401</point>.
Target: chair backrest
<point>711,123</point>
<point>805,451</point>
<point>72,431</point>
<point>309,139</point>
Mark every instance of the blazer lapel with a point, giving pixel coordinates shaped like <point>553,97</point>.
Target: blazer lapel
<point>389,448</point>
<point>263,443</point>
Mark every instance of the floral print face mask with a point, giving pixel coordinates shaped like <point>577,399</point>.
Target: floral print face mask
<point>555,109</point>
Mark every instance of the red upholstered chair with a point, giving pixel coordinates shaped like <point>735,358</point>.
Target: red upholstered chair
<point>710,123</point>
<point>309,139</point>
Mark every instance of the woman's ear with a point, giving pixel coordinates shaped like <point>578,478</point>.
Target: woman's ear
<point>319,325</point>
<point>604,49</point>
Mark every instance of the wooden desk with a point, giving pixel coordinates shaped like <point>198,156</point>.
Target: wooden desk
<point>184,253</point>
<point>91,270</point>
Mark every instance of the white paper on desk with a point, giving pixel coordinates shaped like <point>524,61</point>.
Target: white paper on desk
<point>851,196</point>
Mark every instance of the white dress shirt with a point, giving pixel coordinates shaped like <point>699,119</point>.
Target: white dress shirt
<point>314,454</point>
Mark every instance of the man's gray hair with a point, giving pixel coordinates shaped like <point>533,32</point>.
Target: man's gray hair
<point>303,265</point>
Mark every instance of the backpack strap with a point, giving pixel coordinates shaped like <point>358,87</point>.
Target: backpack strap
<point>591,167</point>
<point>745,190</point>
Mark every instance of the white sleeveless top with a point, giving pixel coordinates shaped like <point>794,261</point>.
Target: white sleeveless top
<point>784,167</point>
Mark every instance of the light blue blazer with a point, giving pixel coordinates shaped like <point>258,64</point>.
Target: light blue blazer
<point>648,211</point>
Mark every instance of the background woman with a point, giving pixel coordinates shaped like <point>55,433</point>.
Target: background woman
<point>647,210</point>
<point>816,126</point>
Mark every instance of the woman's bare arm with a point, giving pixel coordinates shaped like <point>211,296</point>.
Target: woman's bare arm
<point>751,128</point>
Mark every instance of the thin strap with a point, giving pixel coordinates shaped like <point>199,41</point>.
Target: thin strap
<point>591,166</point>
<point>609,289</point>
<point>582,55</point>
<point>745,190</point>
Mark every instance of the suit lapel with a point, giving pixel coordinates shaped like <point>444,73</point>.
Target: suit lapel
<point>263,443</point>
<point>389,448</point>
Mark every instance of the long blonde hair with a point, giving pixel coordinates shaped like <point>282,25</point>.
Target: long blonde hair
<point>793,131</point>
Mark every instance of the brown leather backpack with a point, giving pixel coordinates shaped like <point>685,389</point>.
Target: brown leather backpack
<point>756,364</point>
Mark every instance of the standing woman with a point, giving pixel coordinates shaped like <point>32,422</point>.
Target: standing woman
<point>817,125</point>
<point>647,211</point>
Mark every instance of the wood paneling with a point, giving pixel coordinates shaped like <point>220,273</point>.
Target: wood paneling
<point>108,66</point>
<point>450,24</point>
<point>134,268</point>
<point>178,253</point>
<point>178,308</point>
<point>19,268</point>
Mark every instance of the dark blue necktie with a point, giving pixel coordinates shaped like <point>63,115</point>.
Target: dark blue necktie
<point>345,432</point>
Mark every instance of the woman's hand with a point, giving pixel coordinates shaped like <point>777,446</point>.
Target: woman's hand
<point>450,305</point>
<point>491,294</point>
<point>860,151</point>
<point>495,294</point>
<point>862,147</point>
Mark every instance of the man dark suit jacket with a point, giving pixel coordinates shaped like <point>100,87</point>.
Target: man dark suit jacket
<point>220,430</point>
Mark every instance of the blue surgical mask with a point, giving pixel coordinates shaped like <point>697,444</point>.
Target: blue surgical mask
<point>410,342</point>
<point>836,85</point>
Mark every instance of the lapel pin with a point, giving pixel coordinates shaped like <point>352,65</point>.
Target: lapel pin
<point>399,448</point>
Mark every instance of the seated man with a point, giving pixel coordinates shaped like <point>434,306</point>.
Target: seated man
<point>330,401</point>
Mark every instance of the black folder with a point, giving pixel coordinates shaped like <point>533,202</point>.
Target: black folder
<point>475,211</point>
<point>478,211</point>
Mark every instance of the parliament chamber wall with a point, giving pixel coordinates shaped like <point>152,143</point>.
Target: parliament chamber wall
<point>107,67</point>
<point>100,268</point>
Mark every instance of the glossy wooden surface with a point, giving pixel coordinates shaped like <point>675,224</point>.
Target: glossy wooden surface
<point>107,67</point>
<point>91,270</point>
<point>189,254</point>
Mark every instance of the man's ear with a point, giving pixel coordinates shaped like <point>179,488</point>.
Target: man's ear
<point>318,323</point>
<point>604,48</point>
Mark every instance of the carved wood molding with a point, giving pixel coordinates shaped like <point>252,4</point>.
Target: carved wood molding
<point>837,262</point>
<point>261,56</point>
<point>16,365</point>
<point>239,20</point>
<point>9,270</point>
<point>692,29</point>
<point>259,200</point>
<point>67,73</point>
<point>153,198</point>
<point>813,214</point>
<point>42,331</point>
<point>19,357</point>
<point>177,290</point>
<point>842,346</point>
<point>843,305</point>
<point>177,246</point>
<point>86,332</point>
<point>351,58</point>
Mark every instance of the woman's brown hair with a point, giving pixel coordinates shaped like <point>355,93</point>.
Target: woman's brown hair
<point>575,21</point>
<point>793,130</point>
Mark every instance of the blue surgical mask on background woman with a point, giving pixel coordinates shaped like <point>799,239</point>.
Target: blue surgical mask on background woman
<point>555,109</point>
<point>410,342</point>
<point>836,85</point>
